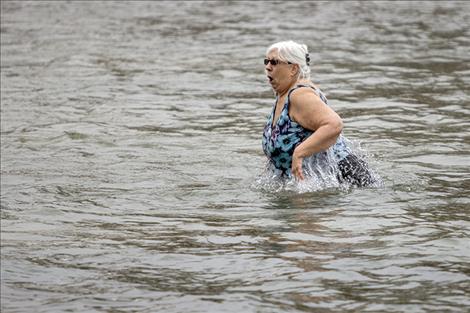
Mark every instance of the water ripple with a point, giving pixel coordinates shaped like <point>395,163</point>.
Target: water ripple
<point>130,143</point>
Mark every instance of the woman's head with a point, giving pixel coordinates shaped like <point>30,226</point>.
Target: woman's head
<point>294,53</point>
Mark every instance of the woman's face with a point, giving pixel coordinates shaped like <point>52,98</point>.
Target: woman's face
<point>281,75</point>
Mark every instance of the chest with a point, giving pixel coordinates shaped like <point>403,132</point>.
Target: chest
<point>278,110</point>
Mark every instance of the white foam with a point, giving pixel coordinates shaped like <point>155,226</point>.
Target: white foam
<point>321,172</point>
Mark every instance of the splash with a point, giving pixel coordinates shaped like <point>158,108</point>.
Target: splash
<point>322,172</point>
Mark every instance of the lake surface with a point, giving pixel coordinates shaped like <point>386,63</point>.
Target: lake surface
<point>131,155</point>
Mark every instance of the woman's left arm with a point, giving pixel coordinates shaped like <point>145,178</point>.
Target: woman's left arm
<point>310,112</point>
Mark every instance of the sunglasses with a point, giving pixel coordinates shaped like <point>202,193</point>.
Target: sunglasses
<point>273,62</point>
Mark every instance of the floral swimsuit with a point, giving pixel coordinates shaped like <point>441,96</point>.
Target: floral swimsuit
<point>281,139</point>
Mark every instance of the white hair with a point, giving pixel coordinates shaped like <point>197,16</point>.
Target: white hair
<point>295,53</point>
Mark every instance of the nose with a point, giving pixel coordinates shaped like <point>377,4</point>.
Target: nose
<point>268,67</point>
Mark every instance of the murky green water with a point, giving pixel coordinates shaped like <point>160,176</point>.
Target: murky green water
<point>131,139</point>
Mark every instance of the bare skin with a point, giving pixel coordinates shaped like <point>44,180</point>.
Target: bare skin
<point>306,108</point>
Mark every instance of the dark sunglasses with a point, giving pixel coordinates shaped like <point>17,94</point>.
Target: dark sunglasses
<point>273,62</point>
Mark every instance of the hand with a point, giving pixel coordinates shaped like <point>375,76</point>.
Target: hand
<point>297,166</point>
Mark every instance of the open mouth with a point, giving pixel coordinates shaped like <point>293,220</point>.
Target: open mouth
<point>270,78</point>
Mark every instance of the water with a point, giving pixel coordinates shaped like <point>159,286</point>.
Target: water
<point>131,140</point>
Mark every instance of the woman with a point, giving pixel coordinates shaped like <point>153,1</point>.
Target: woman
<point>302,129</point>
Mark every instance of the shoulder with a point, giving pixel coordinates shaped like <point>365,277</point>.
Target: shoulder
<point>304,96</point>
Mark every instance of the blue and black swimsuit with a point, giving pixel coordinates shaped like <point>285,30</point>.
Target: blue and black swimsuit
<point>281,139</point>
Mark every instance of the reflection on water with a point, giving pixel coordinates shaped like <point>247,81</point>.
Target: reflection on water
<point>131,140</point>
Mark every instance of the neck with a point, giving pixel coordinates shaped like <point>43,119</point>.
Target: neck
<point>283,92</point>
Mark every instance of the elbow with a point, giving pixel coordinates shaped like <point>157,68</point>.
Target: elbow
<point>337,126</point>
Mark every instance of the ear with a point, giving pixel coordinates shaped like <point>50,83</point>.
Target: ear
<point>295,70</point>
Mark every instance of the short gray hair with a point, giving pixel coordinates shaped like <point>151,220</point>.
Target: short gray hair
<point>293,52</point>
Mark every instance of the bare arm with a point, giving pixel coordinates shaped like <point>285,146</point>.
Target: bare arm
<point>310,112</point>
